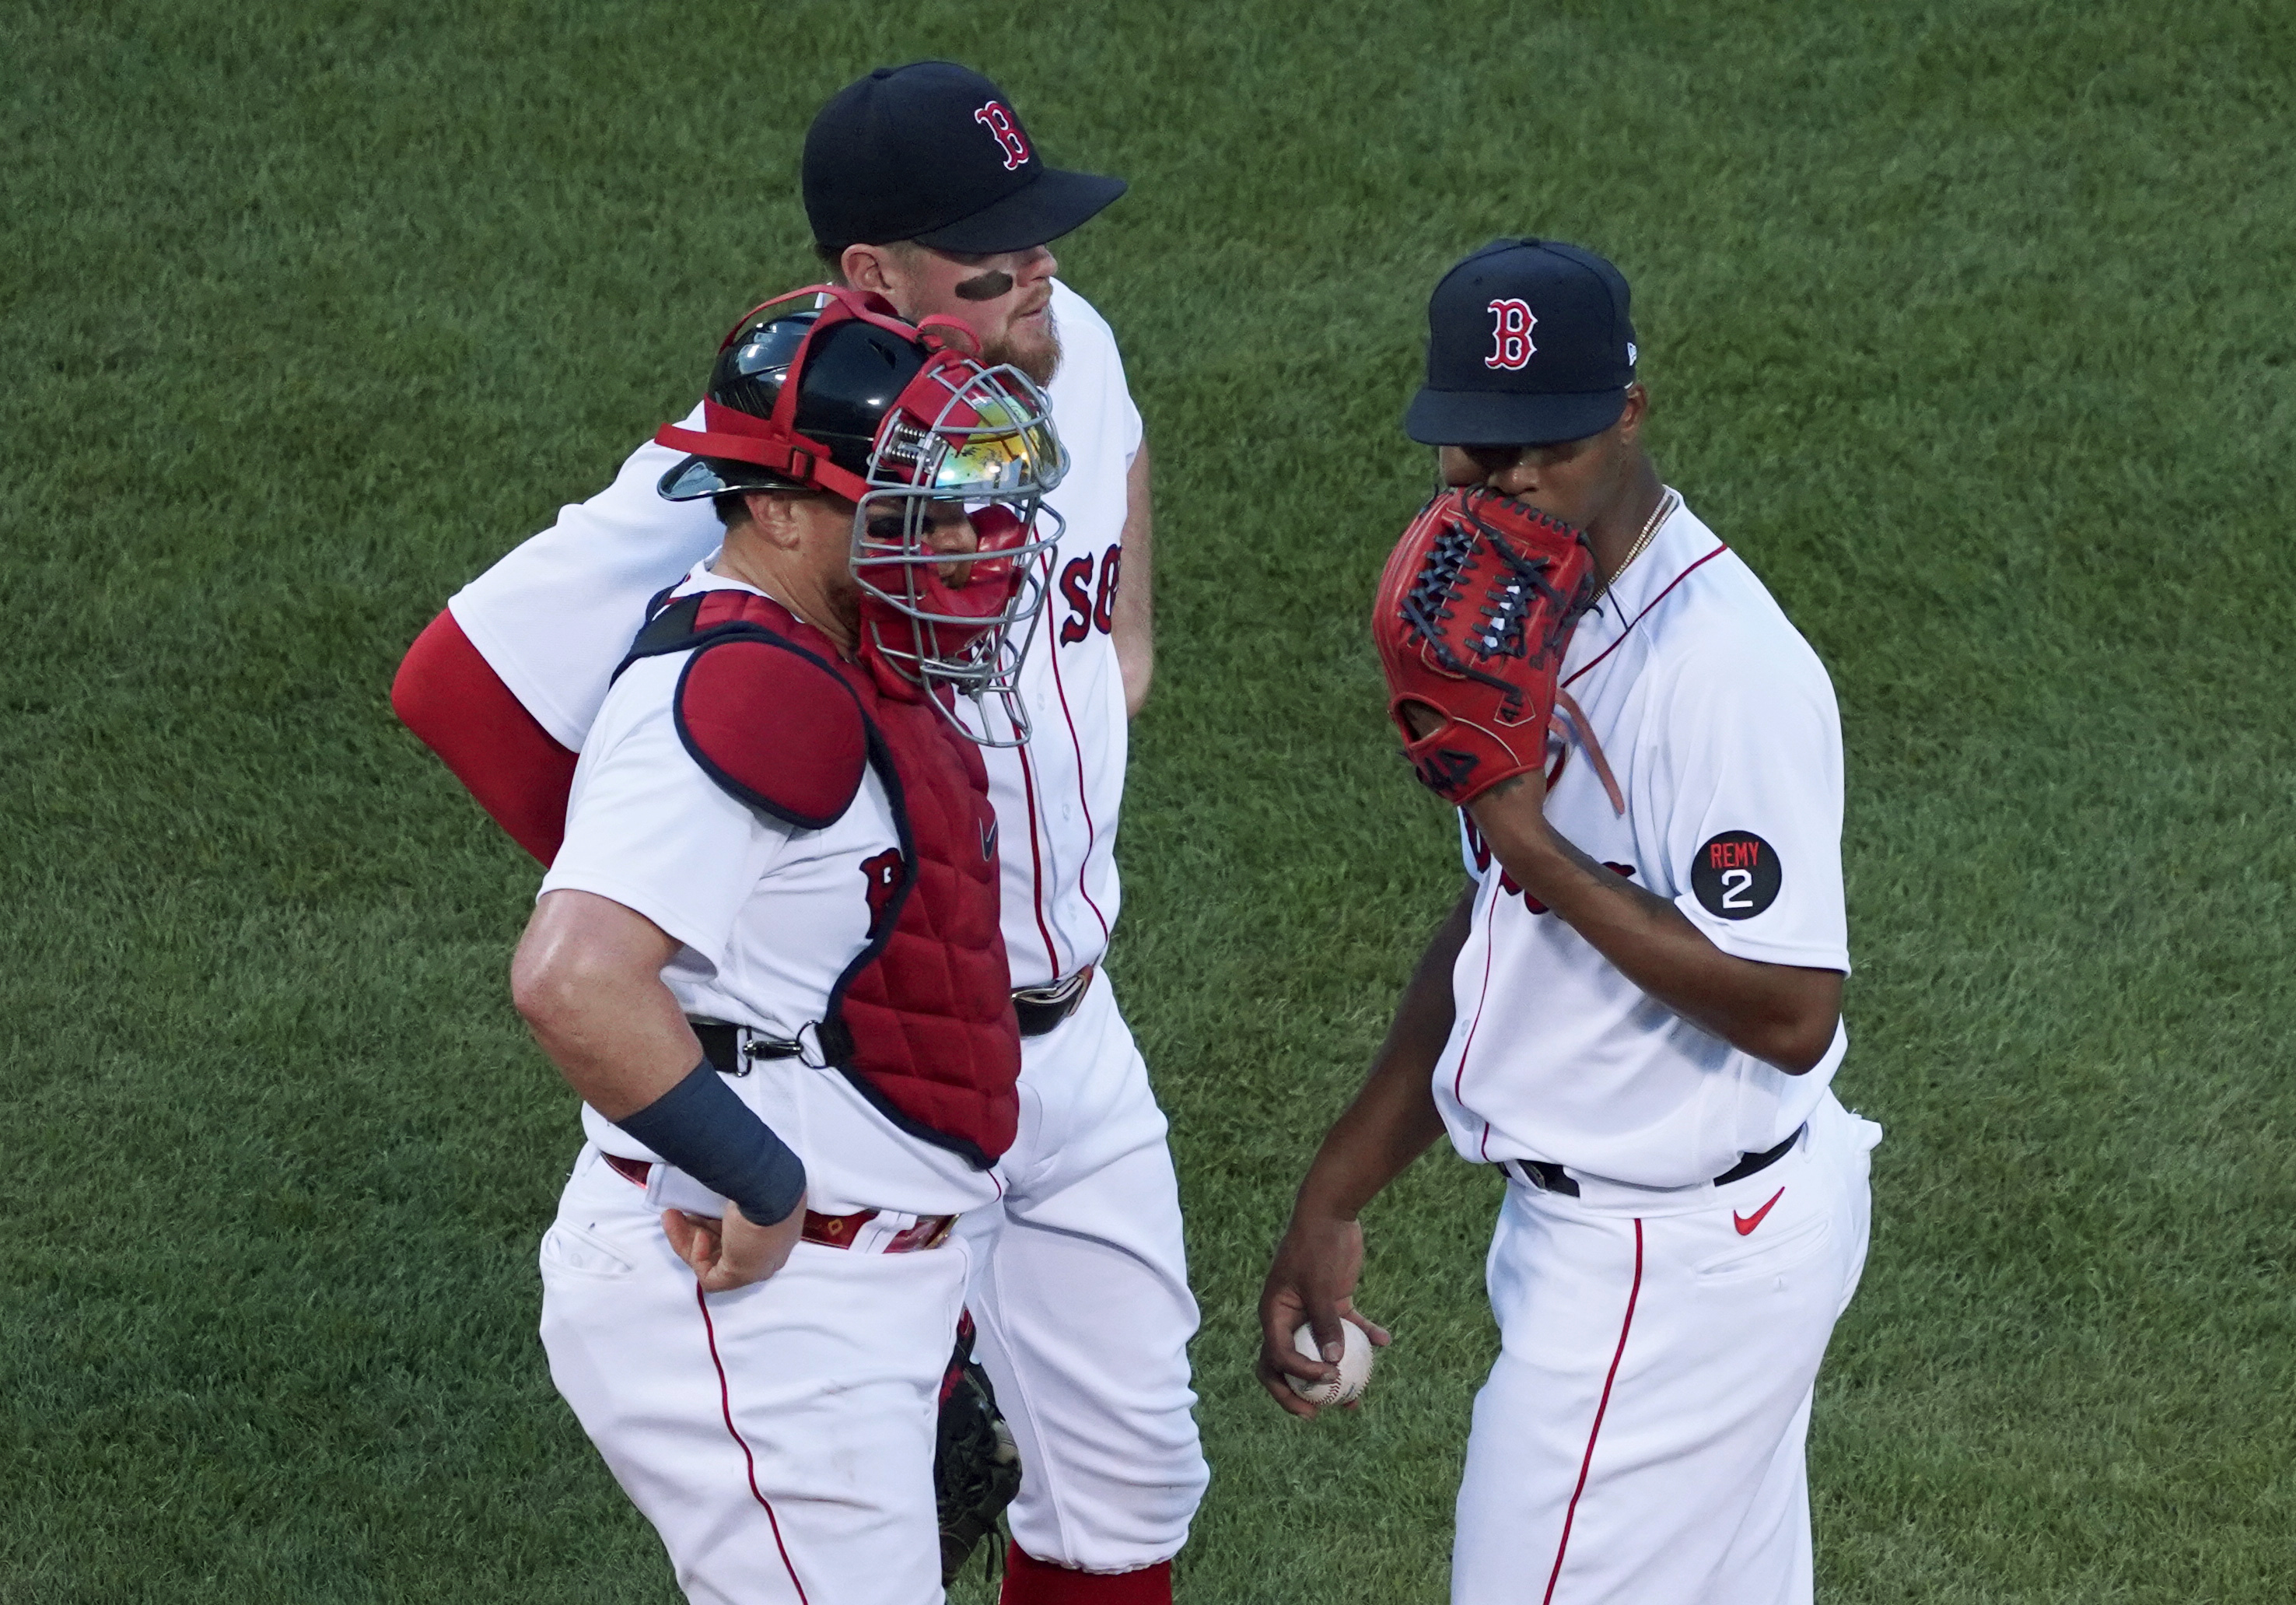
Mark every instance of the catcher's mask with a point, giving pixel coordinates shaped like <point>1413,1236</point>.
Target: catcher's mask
<point>836,393</point>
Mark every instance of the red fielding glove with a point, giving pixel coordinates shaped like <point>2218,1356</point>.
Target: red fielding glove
<point>1475,610</point>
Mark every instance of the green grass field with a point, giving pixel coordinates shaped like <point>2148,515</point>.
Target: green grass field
<point>1967,323</point>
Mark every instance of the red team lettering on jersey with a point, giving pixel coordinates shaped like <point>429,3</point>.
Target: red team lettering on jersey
<point>997,120</point>
<point>1512,322</point>
<point>1090,607</point>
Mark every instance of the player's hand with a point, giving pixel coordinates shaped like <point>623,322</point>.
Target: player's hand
<point>1313,1280</point>
<point>734,1252</point>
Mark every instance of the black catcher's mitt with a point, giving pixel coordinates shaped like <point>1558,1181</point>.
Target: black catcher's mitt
<point>976,1465</point>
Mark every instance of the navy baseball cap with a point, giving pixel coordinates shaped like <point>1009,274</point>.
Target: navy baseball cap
<point>1528,343</point>
<point>934,153</point>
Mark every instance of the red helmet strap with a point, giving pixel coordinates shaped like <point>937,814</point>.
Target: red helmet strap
<point>942,333</point>
<point>774,443</point>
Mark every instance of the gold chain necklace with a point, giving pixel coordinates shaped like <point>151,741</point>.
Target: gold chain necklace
<point>1658,515</point>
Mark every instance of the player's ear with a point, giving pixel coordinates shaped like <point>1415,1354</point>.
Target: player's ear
<point>1631,422</point>
<point>774,517</point>
<point>869,267</point>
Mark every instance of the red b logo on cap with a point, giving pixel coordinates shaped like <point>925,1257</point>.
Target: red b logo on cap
<point>998,121</point>
<point>1512,322</point>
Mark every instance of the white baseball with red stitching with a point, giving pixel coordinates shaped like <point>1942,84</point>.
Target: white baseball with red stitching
<point>1354,1367</point>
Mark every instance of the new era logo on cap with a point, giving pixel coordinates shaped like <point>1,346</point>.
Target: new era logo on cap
<point>1527,342</point>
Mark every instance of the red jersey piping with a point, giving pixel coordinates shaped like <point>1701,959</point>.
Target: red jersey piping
<point>1633,1293</point>
<point>1037,865</point>
<point>1076,744</point>
<point>725,1405</point>
<point>1639,617</point>
<point>1468,1047</point>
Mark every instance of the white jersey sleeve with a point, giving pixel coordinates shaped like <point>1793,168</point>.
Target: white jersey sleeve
<point>648,829</point>
<point>556,614</point>
<point>1753,833</point>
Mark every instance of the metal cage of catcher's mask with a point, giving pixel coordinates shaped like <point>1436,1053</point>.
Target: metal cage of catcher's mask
<point>958,435</point>
<point>987,446</point>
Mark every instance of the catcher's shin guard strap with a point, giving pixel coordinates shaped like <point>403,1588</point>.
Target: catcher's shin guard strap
<point>1029,1581</point>
<point>704,1129</point>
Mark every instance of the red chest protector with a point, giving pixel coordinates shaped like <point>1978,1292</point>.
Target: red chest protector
<point>921,1020</point>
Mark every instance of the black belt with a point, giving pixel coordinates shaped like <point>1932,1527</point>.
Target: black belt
<point>1039,1008</point>
<point>1550,1177</point>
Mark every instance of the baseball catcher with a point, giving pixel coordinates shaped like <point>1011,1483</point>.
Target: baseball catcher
<point>769,956</point>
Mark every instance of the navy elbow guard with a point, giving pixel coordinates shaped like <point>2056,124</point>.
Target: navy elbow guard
<point>704,1129</point>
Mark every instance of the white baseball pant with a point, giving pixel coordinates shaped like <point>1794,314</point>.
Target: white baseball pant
<point>1080,1293</point>
<point>780,1437</point>
<point>1640,1438</point>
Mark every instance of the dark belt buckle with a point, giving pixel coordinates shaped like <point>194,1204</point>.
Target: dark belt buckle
<point>1037,1009</point>
<point>1547,1177</point>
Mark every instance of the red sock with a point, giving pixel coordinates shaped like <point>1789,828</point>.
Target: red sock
<point>1029,1581</point>
<point>453,700</point>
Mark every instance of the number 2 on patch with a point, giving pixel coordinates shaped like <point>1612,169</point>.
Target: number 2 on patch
<point>1736,875</point>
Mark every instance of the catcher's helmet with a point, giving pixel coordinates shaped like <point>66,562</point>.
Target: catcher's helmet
<point>852,375</point>
<point>843,397</point>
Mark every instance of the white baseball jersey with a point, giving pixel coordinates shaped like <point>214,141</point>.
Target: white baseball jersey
<point>555,615</point>
<point>1719,725</point>
<point>767,916</point>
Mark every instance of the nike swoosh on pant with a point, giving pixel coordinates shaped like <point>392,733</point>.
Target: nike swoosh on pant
<point>1746,1223</point>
